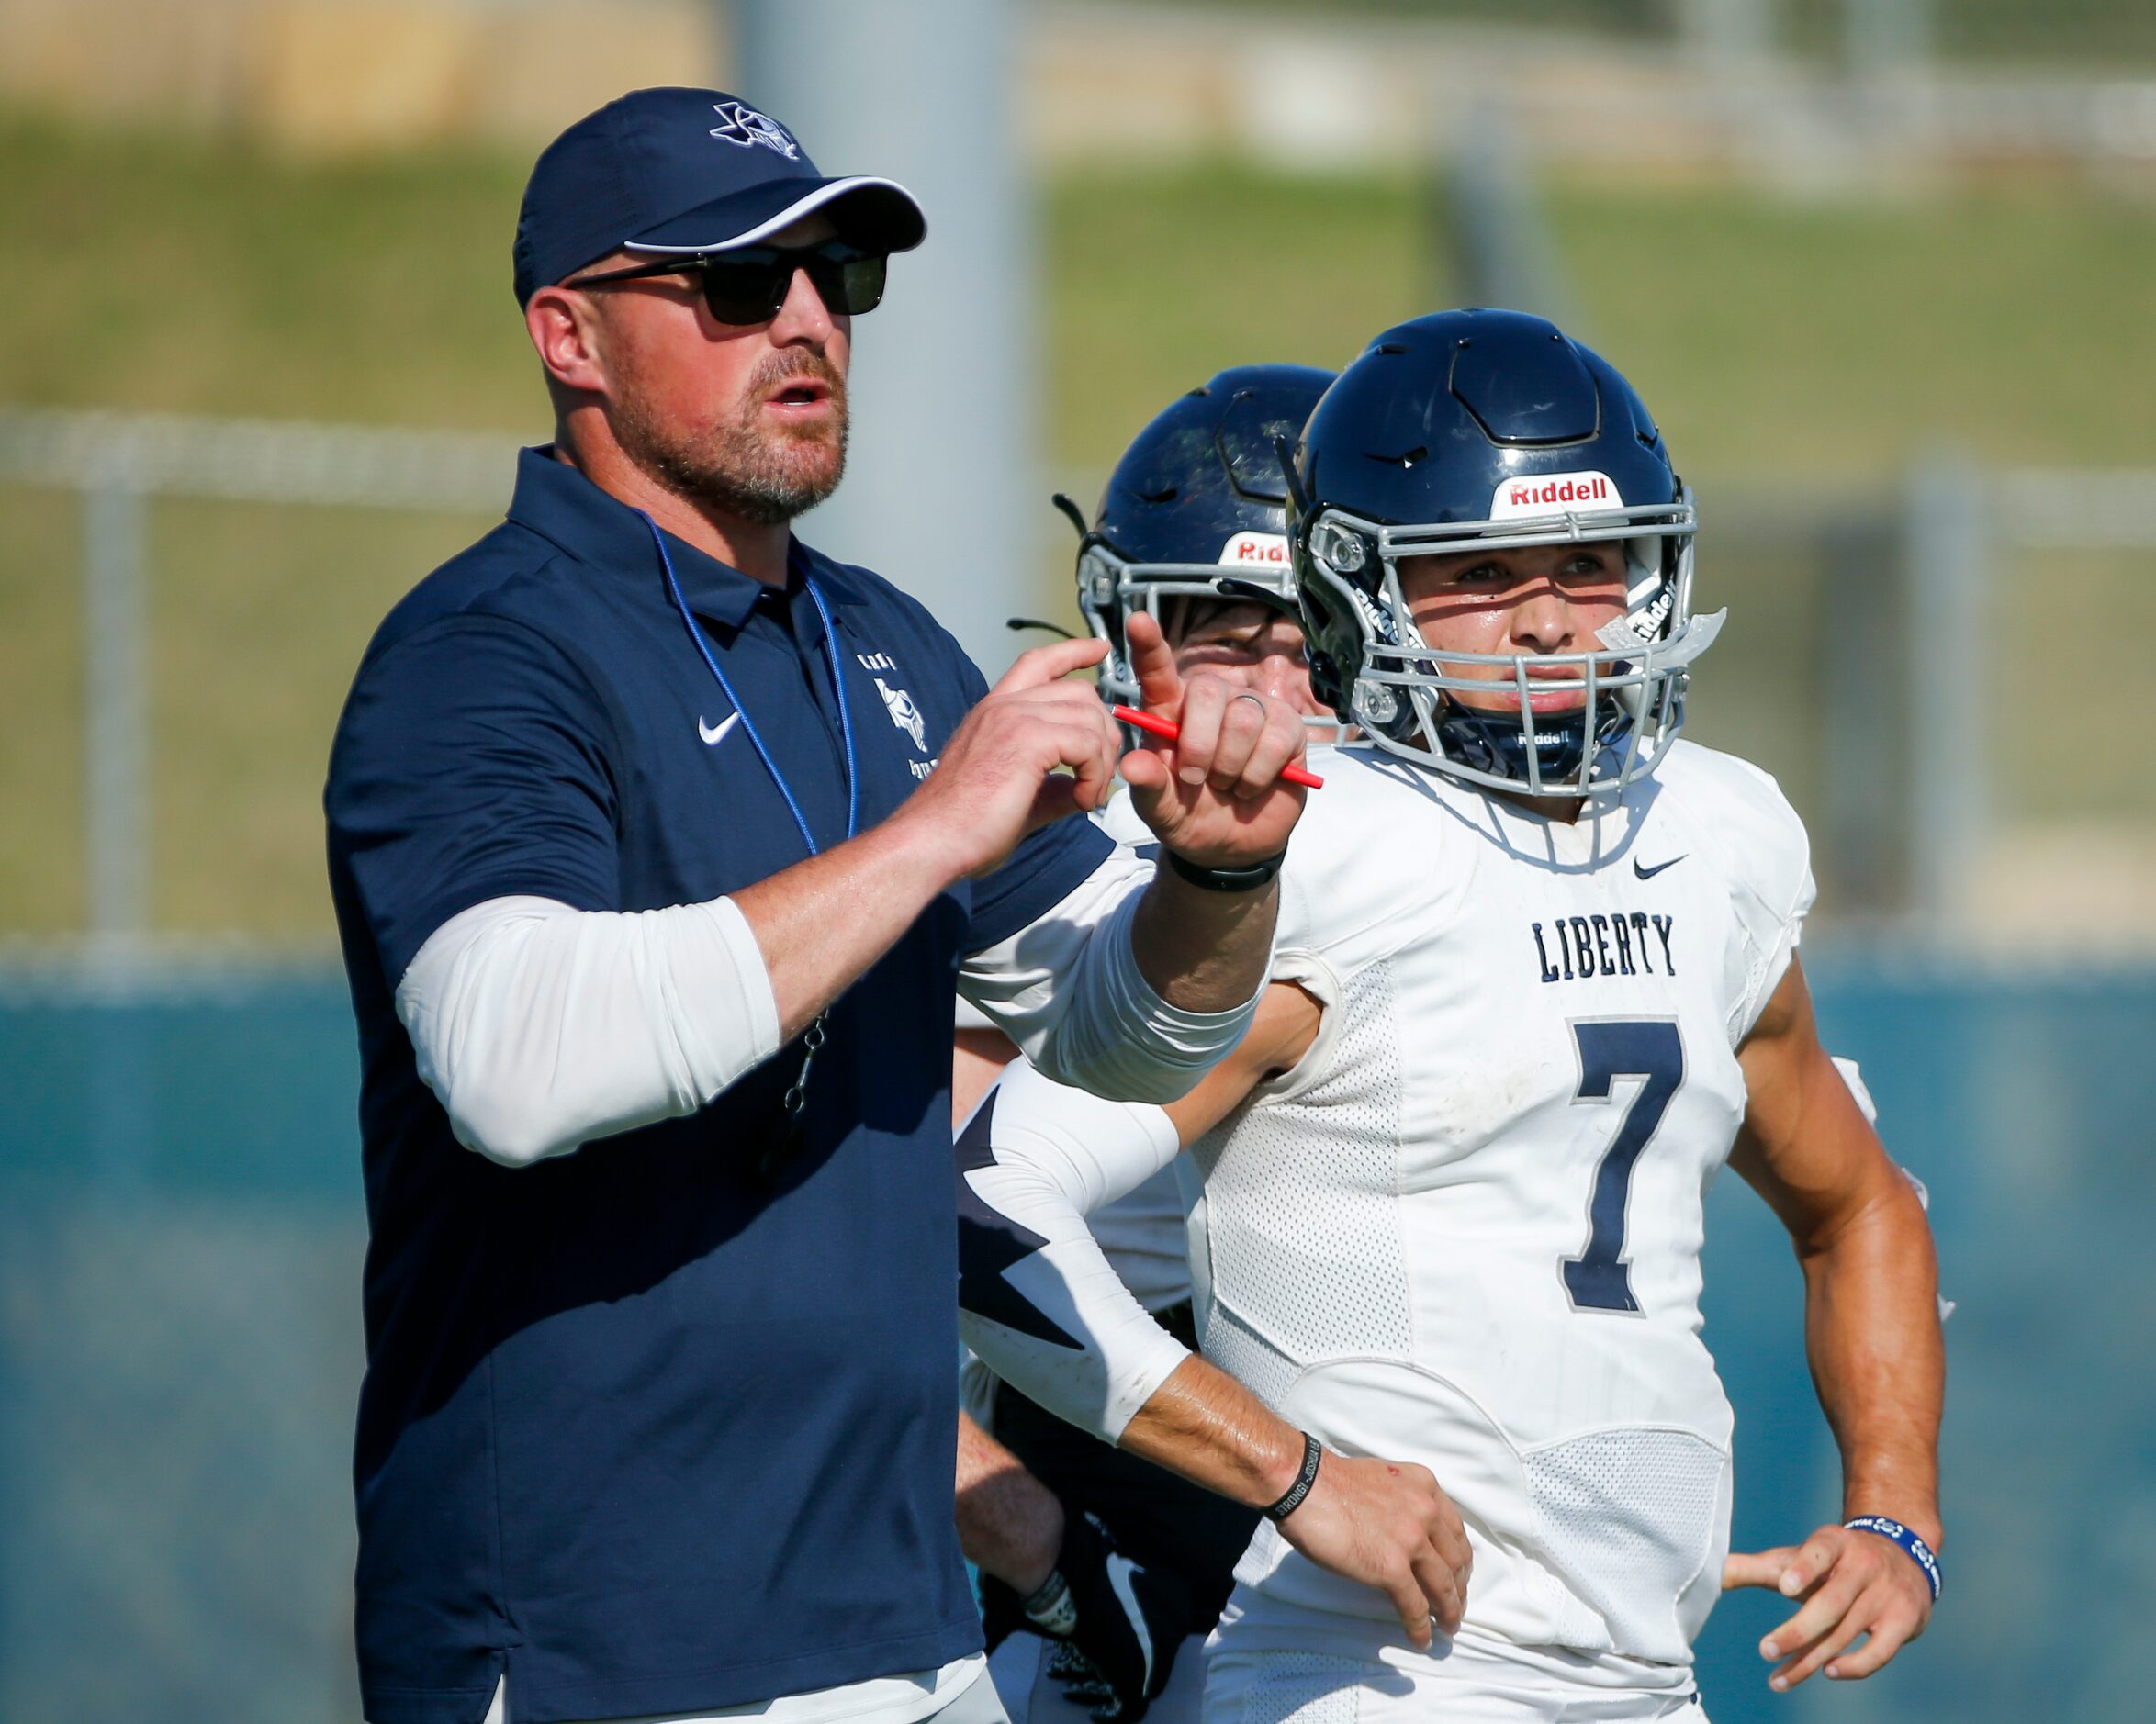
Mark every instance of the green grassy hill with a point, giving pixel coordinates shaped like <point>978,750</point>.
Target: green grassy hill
<point>1816,345</point>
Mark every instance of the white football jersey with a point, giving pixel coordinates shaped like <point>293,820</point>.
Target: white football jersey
<point>1466,1229</point>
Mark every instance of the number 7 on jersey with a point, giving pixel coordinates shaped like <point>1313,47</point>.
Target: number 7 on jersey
<point>1649,1049</point>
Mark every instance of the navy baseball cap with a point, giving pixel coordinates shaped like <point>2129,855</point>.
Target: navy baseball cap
<point>673,170</point>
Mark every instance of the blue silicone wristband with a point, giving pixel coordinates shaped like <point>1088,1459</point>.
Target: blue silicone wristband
<point>1918,1551</point>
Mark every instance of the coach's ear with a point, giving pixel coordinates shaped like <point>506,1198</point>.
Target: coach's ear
<point>569,335</point>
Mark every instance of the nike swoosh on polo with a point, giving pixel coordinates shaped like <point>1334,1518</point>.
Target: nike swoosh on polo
<point>1649,874</point>
<point>713,735</point>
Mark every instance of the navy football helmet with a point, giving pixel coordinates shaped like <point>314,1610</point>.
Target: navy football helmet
<point>1484,431</point>
<point>1197,507</point>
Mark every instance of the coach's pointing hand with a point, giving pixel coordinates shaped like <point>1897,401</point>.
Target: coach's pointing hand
<point>1215,796</point>
<point>1002,774</point>
<point>1388,1524</point>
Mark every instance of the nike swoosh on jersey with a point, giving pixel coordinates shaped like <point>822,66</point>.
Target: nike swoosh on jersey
<point>1649,874</point>
<point>713,735</point>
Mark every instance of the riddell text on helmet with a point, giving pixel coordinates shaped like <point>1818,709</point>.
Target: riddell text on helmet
<point>1550,493</point>
<point>1248,548</point>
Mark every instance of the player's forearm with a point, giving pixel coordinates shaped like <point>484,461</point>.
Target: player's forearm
<point>1202,950</point>
<point>1878,1358</point>
<point>1872,1278</point>
<point>1010,1523</point>
<point>822,922</point>
<point>1202,1424</point>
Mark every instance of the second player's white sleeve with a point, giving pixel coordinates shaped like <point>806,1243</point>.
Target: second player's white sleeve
<point>1039,1303</point>
<point>1067,990</point>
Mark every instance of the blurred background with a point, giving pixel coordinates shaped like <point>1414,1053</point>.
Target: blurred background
<point>1885,270</point>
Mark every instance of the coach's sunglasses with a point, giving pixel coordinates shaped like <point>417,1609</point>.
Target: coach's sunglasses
<point>747,284</point>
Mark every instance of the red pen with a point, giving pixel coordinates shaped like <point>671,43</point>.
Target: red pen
<point>1167,730</point>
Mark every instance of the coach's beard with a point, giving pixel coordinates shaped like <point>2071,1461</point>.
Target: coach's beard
<point>748,469</point>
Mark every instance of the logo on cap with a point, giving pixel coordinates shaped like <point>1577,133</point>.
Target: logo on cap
<point>745,127</point>
<point>1554,494</point>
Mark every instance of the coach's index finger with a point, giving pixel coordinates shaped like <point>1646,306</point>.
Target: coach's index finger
<point>1152,662</point>
<point>1039,666</point>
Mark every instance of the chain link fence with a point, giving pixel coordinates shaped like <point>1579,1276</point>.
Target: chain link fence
<point>1942,672</point>
<point>1861,32</point>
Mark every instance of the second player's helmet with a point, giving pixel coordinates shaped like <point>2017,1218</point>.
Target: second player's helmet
<point>1197,507</point>
<point>1487,431</point>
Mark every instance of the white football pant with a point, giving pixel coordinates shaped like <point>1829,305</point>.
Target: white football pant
<point>1320,1688</point>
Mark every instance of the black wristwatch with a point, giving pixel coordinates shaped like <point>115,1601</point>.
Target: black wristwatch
<point>1242,879</point>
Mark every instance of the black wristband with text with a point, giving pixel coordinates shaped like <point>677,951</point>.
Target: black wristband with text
<point>1313,1453</point>
<point>1242,879</point>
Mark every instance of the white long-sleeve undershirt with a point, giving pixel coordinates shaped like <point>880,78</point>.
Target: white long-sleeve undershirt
<point>540,1027</point>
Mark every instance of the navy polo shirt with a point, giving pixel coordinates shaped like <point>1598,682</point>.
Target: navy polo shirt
<point>654,1430</point>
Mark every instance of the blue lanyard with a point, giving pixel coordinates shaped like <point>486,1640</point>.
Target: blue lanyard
<point>853,777</point>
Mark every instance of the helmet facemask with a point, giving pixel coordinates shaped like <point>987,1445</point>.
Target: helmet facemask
<point>1372,661</point>
<point>1111,588</point>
